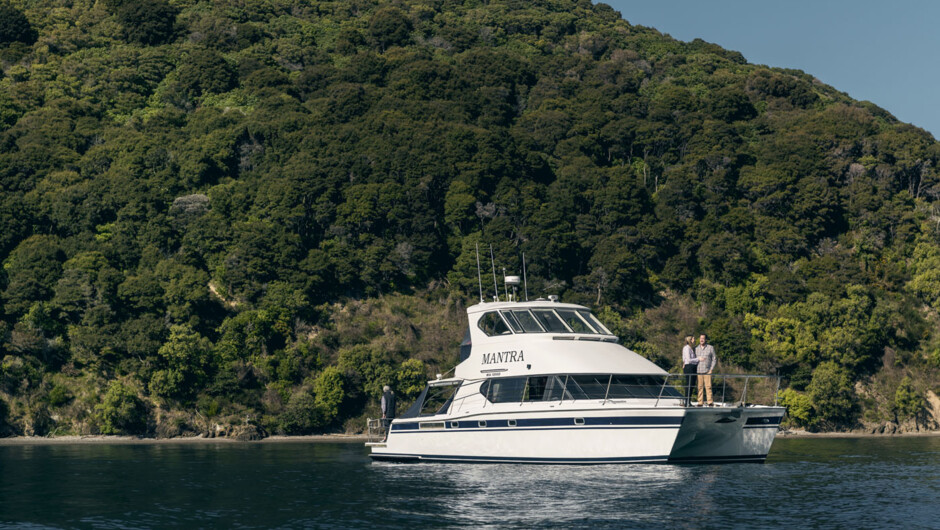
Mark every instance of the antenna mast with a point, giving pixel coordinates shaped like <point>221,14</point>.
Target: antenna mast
<point>525,282</point>
<point>479,275</point>
<point>495,286</point>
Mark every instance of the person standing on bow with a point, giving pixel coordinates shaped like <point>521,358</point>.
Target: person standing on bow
<point>707,360</point>
<point>689,366</point>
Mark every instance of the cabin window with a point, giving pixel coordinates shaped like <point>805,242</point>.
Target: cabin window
<point>575,322</point>
<point>504,389</point>
<point>540,321</point>
<point>535,389</point>
<point>594,322</point>
<point>527,321</point>
<point>588,386</point>
<point>493,324</point>
<point>550,321</point>
<point>513,322</point>
<point>522,389</point>
<point>544,388</point>
<point>438,399</point>
<point>635,386</point>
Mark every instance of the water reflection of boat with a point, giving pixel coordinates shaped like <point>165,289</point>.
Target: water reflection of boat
<point>547,382</point>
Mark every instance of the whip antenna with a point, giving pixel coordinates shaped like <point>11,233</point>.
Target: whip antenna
<point>495,286</point>
<point>525,283</point>
<point>479,276</point>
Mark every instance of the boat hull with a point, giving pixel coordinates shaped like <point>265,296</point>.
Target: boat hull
<point>586,436</point>
<point>726,434</point>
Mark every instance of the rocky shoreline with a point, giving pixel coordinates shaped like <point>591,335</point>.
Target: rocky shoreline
<point>112,439</point>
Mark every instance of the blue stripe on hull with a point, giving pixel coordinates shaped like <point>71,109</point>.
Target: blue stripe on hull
<point>544,422</point>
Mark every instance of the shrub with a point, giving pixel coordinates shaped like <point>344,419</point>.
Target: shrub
<point>907,401</point>
<point>303,415</point>
<point>330,393</point>
<point>121,411</point>
<point>833,394</point>
<point>799,407</point>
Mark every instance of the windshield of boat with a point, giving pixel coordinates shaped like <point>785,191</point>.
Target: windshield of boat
<point>541,320</point>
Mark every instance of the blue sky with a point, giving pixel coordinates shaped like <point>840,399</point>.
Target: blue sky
<point>886,52</point>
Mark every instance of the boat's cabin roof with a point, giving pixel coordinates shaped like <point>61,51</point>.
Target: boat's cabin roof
<point>541,316</point>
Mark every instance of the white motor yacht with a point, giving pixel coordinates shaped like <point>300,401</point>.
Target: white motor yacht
<point>547,382</point>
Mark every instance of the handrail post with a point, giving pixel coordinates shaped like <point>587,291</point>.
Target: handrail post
<point>724,385</point>
<point>661,390</point>
<point>747,379</point>
<point>610,379</point>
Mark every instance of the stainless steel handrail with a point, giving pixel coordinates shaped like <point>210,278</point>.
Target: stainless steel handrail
<point>667,379</point>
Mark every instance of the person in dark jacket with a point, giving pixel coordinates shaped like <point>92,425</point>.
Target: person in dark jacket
<point>388,406</point>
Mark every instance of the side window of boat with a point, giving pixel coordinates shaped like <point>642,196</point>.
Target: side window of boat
<point>527,321</point>
<point>513,323</point>
<point>535,389</point>
<point>575,322</point>
<point>591,386</point>
<point>601,328</point>
<point>550,321</point>
<point>503,389</point>
<point>632,386</point>
<point>492,324</point>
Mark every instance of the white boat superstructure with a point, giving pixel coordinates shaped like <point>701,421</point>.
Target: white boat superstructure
<point>547,382</point>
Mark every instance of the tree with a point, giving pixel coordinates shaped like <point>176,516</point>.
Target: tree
<point>183,360</point>
<point>389,26</point>
<point>833,394</point>
<point>205,72</point>
<point>907,401</point>
<point>330,393</point>
<point>147,22</point>
<point>121,411</point>
<point>14,26</point>
<point>32,270</point>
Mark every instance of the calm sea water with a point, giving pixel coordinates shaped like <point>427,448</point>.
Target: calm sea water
<point>824,483</point>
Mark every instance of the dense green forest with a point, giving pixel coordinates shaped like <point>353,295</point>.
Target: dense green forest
<point>233,217</point>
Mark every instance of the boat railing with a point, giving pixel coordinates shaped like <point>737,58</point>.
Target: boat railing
<point>376,429</point>
<point>727,389</point>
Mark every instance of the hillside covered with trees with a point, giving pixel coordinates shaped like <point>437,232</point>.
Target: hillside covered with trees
<point>247,216</point>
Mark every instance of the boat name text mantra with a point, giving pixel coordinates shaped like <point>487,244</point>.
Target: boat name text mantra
<point>503,357</point>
